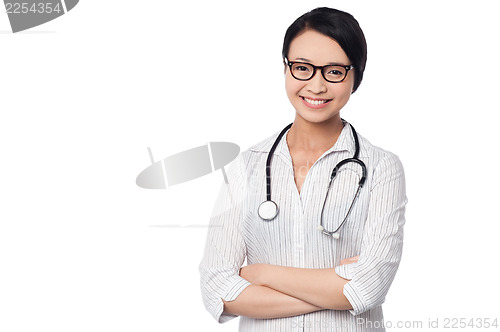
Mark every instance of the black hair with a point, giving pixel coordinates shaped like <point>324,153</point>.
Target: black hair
<point>336,24</point>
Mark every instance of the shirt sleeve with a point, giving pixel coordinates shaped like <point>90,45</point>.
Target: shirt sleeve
<point>382,244</point>
<point>225,249</point>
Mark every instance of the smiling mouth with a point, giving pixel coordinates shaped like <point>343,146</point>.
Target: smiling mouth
<point>316,101</point>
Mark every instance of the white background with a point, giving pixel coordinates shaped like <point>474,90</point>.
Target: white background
<point>82,248</point>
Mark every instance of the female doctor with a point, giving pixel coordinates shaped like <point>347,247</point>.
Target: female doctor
<point>315,209</point>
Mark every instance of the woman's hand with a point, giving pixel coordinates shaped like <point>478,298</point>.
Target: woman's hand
<point>349,260</point>
<point>252,273</point>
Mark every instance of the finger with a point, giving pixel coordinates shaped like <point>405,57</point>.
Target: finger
<point>349,260</point>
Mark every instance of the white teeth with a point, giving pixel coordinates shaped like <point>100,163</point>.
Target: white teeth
<point>315,102</point>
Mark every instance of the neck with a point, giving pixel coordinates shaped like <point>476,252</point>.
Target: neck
<point>314,137</point>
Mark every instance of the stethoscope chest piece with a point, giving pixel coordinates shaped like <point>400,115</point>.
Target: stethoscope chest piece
<point>268,210</point>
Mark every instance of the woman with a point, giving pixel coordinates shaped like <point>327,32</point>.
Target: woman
<point>322,255</point>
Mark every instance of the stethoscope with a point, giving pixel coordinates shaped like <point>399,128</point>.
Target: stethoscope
<point>268,209</point>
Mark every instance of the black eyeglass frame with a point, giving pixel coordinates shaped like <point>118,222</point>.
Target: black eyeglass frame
<point>291,63</point>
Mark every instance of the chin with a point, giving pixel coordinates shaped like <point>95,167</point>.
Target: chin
<point>317,118</point>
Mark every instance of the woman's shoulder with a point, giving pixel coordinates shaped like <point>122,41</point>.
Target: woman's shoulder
<point>376,154</point>
<point>256,151</point>
<point>264,145</point>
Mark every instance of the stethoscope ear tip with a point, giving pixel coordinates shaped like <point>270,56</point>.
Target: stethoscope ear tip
<point>334,235</point>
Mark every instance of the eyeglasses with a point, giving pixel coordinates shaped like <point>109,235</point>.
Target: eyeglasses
<point>304,71</point>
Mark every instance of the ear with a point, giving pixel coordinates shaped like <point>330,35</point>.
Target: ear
<point>284,67</point>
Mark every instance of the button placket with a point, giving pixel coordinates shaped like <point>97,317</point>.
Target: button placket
<point>299,243</point>
<point>297,229</point>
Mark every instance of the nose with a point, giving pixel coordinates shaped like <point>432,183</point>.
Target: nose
<point>317,83</point>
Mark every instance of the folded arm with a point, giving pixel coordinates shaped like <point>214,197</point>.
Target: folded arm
<point>321,287</point>
<point>280,291</point>
<point>263,302</point>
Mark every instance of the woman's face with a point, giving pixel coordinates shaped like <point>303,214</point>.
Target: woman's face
<point>328,98</point>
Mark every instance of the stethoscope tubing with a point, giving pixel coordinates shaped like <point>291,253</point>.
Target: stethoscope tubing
<point>269,209</point>
<point>268,162</point>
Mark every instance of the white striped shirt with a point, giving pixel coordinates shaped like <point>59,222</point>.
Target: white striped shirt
<point>374,230</point>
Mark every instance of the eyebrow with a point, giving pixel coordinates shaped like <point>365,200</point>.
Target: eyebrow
<point>328,64</point>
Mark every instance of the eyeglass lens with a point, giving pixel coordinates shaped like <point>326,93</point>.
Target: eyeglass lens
<point>304,71</point>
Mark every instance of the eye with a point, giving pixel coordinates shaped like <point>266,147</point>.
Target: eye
<point>335,72</point>
<point>302,68</point>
